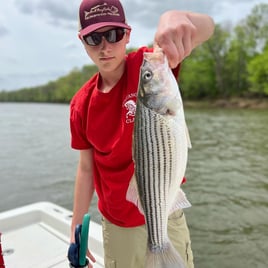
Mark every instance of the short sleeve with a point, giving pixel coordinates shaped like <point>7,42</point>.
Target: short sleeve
<point>78,133</point>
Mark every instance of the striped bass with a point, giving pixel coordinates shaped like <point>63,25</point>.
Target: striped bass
<point>160,148</point>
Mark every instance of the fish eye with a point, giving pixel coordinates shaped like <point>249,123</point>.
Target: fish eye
<point>147,75</point>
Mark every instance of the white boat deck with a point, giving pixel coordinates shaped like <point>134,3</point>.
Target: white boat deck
<point>38,235</point>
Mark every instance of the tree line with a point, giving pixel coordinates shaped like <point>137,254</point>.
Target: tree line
<point>233,63</point>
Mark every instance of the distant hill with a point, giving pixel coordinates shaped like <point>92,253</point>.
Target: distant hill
<point>59,91</point>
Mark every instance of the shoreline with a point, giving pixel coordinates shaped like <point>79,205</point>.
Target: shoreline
<point>234,103</point>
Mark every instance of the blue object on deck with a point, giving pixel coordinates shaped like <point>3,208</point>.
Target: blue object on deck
<point>78,250</point>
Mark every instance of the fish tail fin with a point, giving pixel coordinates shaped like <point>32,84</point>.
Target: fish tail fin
<point>164,258</point>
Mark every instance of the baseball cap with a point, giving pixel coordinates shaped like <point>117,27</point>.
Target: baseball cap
<point>95,14</point>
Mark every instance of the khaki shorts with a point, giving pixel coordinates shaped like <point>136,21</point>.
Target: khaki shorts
<point>126,247</point>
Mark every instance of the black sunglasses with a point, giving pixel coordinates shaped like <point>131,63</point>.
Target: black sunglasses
<point>112,36</point>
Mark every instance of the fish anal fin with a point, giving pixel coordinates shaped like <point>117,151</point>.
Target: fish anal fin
<point>180,202</point>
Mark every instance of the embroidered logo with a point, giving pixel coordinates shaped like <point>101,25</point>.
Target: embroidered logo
<point>101,10</point>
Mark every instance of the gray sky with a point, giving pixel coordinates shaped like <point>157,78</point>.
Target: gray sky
<point>38,39</point>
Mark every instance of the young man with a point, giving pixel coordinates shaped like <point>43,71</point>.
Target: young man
<point>101,119</point>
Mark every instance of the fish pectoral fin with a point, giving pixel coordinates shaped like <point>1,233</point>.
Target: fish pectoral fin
<point>181,202</point>
<point>133,194</point>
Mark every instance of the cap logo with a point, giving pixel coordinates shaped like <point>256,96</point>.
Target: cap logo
<point>101,10</point>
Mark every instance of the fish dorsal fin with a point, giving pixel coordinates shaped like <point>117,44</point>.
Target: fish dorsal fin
<point>188,137</point>
<point>133,194</point>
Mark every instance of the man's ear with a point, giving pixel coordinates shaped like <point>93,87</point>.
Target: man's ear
<point>128,35</point>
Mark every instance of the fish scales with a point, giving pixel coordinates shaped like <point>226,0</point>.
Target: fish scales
<point>154,148</point>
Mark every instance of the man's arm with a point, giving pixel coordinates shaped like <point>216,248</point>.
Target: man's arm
<point>179,32</point>
<point>83,191</point>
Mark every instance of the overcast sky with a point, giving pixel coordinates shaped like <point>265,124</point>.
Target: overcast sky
<point>38,38</point>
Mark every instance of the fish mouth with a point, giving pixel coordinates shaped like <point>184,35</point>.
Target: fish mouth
<point>157,56</point>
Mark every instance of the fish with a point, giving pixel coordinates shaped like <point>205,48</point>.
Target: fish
<point>160,151</point>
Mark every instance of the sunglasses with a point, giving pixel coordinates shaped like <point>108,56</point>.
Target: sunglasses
<point>112,36</point>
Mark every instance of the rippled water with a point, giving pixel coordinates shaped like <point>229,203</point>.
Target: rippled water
<point>227,176</point>
<point>228,186</point>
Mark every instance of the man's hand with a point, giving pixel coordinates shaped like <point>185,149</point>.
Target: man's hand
<point>179,32</point>
<point>91,258</point>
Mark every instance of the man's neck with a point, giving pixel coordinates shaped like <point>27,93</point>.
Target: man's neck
<point>109,79</point>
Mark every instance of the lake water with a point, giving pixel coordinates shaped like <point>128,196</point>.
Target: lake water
<point>227,176</point>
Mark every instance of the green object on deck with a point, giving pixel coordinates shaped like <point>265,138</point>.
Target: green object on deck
<point>84,240</point>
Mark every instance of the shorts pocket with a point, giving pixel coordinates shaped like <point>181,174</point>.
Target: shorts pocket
<point>176,215</point>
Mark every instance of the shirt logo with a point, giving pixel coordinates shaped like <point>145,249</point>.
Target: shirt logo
<point>130,106</point>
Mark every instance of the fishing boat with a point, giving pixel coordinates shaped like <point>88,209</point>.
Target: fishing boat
<point>38,236</point>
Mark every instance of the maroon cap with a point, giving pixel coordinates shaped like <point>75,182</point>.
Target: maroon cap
<point>95,14</point>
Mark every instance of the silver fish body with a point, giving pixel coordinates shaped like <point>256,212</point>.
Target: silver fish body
<point>160,149</point>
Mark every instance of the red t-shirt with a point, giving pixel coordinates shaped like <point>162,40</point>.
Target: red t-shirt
<point>104,122</point>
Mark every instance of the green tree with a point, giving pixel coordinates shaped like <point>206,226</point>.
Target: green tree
<point>258,74</point>
<point>197,78</point>
<point>237,57</point>
<point>204,73</point>
<point>256,28</point>
<point>218,47</point>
